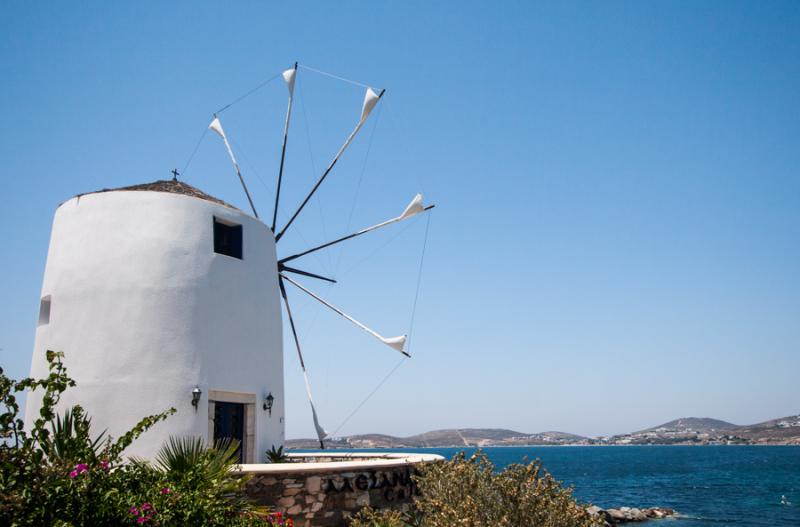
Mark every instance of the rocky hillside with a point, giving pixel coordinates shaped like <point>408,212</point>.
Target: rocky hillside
<point>783,429</point>
<point>446,438</point>
<point>686,430</point>
<point>703,425</point>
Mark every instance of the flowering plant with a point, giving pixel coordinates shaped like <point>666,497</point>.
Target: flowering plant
<point>276,519</point>
<point>58,473</point>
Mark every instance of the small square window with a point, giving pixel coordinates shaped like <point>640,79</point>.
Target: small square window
<point>44,311</point>
<point>227,239</point>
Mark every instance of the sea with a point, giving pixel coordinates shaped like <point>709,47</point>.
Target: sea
<point>707,485</point>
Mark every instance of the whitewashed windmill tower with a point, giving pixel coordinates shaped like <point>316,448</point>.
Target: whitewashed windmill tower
<point>163,296</point>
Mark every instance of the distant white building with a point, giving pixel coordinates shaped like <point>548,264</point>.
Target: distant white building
<point>162,296</point>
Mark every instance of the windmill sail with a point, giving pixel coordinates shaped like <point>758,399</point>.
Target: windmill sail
<point>413,208</point>
<point>370,100</point>
<point>289,77</point>
<point>397,343</point>
<point>321,434</point>
<point>216,126</point>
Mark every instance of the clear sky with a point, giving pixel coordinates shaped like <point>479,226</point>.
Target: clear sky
<point>617,236</point>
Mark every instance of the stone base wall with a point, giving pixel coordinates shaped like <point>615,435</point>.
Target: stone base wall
<point>327,498</point>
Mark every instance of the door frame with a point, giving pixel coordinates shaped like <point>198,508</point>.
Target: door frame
<point>249,402</point>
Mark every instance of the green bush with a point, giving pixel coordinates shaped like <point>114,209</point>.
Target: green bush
<point>469,492</point>
<point>276,455</point>
<point>58,474</point>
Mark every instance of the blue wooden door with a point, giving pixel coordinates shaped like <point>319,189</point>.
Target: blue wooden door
<point>229,423</point>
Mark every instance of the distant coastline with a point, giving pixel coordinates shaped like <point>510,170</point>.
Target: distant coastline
<point>685,431</point>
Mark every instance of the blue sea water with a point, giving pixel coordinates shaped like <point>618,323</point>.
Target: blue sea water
<point>707,485</point>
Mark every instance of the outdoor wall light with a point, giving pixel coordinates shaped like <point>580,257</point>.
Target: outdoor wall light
<point>268,400</point>
<point>196,393</point>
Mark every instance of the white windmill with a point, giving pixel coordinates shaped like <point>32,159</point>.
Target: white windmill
<point>161,295</point>
<point>371,99</point>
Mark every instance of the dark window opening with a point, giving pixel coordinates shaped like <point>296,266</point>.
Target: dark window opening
<point>227,239</point>
<point>44,311</point>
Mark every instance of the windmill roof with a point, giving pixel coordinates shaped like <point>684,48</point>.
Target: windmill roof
<point>167,185</point>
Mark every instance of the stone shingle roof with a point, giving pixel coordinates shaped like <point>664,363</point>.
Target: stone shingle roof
<point>167,185</point>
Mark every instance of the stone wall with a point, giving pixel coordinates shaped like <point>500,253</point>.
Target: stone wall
<point>326,494</point>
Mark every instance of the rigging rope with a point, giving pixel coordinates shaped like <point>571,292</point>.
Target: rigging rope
<point>186,166</point>
<point>205,131</point>
<point>368,397</point>
<point>248,94</point>
<point>419,282</point>
<point>252,167</point>
<point>328,269</point>
<point>309,68</point>
<point>377,250</point>
<point>410,331</point>
<point>358,187</point>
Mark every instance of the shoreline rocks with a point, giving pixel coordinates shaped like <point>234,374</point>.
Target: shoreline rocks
<point>629,514</point>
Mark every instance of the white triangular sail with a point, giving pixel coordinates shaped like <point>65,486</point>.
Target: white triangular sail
<point>397,343</point>
<point>288,77</point>
<point>216,126</point>
<point>414,208</point>
<point>321,433</point>
<point>370,100</point>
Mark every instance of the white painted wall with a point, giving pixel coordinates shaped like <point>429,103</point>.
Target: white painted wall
<point>145,310</point>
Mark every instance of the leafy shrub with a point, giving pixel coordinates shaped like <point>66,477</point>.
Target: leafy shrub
<point>58,474</point>
<point>277,455</point>
<point>368,517</point>
<point>468,492</point>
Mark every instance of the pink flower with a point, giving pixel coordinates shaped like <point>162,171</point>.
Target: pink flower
<point>79,469</point>
<point>166,491</point>
<point>104,464</point>
<point>146,507</point>
<point>134,511</point>
<point>142,519</point>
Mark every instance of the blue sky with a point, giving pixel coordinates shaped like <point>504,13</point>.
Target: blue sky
<point>616,237</point>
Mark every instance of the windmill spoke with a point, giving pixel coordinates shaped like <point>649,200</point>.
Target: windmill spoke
<point>288,269</point>
<point>291,323</point>
<point>216,126</point>
<point>397,343</point>
<point>370,100</point>
<point>406,214</point>
<point>321,434</point>
<point>289,77</point>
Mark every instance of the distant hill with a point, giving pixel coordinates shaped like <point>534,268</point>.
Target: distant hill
<point>703,425</point>
<point>686,430</point>
<point>784,428</point>
<point>464,436</point>
<point>451,437</point>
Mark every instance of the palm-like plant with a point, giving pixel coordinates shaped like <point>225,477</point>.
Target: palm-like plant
<point>277,455</point>
<point>70,438</point>
<point>189,463</point>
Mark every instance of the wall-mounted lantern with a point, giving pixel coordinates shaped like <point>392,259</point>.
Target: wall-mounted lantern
<point>196,393</point>
<point>268,400</point>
